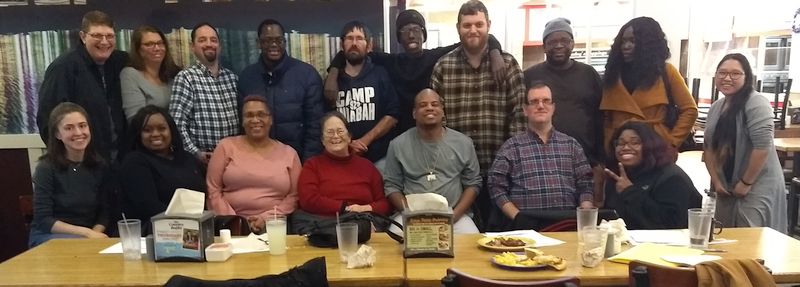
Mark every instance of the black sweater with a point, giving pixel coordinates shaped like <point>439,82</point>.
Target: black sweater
<point>658,199</point>
<point>77,195</point>
<point>148,181</point>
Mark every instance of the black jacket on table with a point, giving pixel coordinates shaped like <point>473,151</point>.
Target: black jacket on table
<point>658,199</point>
<point>74,77</point>
<point>148,181</point>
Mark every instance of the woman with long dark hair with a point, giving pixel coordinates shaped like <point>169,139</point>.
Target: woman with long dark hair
<point>156,166</point>
<point>646,188</point>
<point>638,82</point>
<point>148,79</point>
<point>71,185</point>
<point>739,152</point>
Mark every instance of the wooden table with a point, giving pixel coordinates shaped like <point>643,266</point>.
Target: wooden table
<point>780,252</point>
<point>71,262</point>
<point>790,145</point>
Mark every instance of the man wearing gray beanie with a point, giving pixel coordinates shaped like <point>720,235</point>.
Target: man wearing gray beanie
<point>410,71</point>
<point>577,89</point>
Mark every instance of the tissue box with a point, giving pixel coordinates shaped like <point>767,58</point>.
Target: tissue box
<point>428,234</point>
<point>182,237</point>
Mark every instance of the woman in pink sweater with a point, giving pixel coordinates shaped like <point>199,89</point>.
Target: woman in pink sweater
<point>253,175</point>
<point>337,180</point>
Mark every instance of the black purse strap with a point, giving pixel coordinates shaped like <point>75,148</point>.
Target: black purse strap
<point>397,237</point>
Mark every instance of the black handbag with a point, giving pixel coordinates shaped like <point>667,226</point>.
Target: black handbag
<point>321,231</point>
<point>671,118</point>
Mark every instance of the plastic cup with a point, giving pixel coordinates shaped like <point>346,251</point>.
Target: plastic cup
<point>276,231</point>
<point>586,217</point>
<point>699,227</point>
<point>347,239</point>
<point>592,247</point>
<point>130,232</point>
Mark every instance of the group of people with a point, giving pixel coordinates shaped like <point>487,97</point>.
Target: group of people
<point>463,121</point>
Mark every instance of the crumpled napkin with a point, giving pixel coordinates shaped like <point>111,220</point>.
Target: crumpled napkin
<point>251,243</point>
<point>364,257</point>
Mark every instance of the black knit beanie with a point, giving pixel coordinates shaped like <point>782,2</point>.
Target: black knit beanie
<point>408,17</point>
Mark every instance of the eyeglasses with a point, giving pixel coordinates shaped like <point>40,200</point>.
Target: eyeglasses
<point>100,37</point>
<point>272,40</point>
<point>536,102</point>
<point>338,132</point>
<point>631,144</point>
<point>562,41</point>
<point>151,45</point>
<point>734,75</point>
<point>409,30</point>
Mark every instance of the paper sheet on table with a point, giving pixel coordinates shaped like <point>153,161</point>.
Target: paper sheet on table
<point>540,239</point>
<point>117,248</point>
<point>677,237</point>
<point>652,253</point>
<point>251,243</point>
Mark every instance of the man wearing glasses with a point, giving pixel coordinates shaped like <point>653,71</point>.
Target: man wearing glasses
<point>577,89</point>
<point>89,77</point>
<point>293,90</point>
<point>541,168</point>
<point>366,96</point>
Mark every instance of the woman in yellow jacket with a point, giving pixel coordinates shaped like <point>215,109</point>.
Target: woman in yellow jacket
<point>634,83</point>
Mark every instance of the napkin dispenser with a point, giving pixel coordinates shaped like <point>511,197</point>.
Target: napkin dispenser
<point>182,237</point>
<point>428,233</point>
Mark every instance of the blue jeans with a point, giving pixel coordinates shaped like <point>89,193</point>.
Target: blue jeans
<point>37,237</point>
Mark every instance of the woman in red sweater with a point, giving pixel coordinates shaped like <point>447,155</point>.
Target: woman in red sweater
<point>338,180</point>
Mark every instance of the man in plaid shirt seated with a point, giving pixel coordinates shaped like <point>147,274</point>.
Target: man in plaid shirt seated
<point>541,168</point>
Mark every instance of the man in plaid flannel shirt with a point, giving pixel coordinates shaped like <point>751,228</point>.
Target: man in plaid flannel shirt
<point>476,105</point>
<point>204,97</point>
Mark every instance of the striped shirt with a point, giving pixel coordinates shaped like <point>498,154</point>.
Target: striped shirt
<point>204,107</point>
<point>534,175</point>
<point>476,105</point>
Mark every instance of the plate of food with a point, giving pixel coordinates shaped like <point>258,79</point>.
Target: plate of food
<point>516,261</point>
<point>506,243</point>
<point>532,259</point>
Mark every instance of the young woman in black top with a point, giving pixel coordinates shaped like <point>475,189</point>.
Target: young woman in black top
<point>71,182</point>
<point>156,166</point>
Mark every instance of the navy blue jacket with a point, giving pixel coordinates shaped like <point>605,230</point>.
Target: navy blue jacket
<point>364,100</point>
<point>294,94</point>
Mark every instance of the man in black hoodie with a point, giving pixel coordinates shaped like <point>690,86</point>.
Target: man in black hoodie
<point>410,71</point>
<point>366,96</point>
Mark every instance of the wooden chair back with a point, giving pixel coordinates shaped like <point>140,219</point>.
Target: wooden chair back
<point>641,273</point>
<point>236,224</point>
<point>26,209</point>
<point>456,278</point>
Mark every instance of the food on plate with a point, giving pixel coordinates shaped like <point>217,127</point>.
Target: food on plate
<point>532,257</point>
<point>506,242</point>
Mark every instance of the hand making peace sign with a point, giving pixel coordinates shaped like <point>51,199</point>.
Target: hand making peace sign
<point>622,179</point>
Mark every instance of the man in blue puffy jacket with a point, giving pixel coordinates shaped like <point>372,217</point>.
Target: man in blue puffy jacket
<point>293,90</point>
